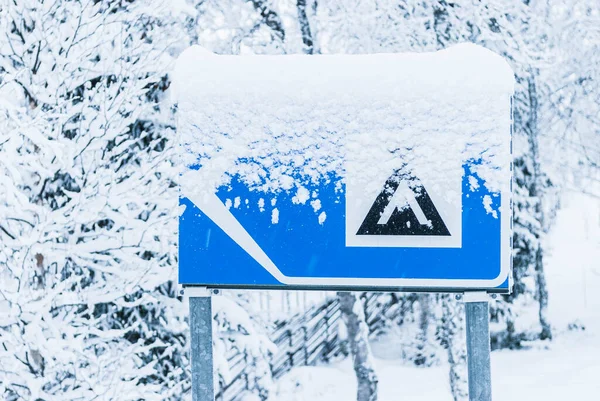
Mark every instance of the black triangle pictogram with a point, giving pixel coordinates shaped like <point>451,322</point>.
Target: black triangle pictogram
<point>404,221</point>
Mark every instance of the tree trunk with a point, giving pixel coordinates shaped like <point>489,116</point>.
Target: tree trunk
<point>358,333</point>
<point>270,18</point>
<point>532,131</point>
<point>453,338</point>
<point>441,24</point>
<point>307,36</point>
<point>423,354</point>
<point>542,295</point>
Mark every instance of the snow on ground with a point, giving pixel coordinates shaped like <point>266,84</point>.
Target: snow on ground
<point>337,383</point>
<point>573,266</point>
<point>566,369</point>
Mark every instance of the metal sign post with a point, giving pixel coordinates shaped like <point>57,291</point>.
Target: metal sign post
<point>478,346</point>
<point>201,344</point>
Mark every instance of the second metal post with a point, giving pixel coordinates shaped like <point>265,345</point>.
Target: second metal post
<point>478,346</point>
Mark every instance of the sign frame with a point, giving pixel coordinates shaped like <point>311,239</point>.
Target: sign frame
<point>215,209</point>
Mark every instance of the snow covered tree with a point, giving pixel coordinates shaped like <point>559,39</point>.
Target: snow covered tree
<point>358,337</point>
<point>239,26</point>
<point>425,354</point>
<point>572,104</point>
<point>307,22</point>
<point>88,253</point>
<point>534,185</point>
<point>452,336</point>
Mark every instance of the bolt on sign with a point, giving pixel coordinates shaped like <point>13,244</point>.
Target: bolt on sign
<point>388,171</point>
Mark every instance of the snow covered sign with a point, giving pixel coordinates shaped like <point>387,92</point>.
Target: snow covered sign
<point>386,171</point>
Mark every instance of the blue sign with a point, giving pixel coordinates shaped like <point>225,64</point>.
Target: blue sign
<point>341,198</point>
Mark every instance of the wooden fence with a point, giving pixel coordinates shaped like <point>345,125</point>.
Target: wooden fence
<point>302,340</point>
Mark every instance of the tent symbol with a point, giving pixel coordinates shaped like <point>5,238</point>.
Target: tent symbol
<point>403,209</point>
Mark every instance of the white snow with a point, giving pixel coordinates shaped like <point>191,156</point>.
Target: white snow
<point>487,204</point>
<point>573,264</point>
<point>473,184</point>
<point>470,68</point>
<point>316,205</point>
<point>280,122</point>
<point>322,217</point>
<point>302,195</point>
<point>275,216</point>
<point>337,382</point>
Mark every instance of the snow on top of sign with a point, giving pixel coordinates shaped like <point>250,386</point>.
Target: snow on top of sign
<point>464,67</point>
<point>292,122</point>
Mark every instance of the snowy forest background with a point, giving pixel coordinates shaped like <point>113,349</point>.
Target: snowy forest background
<point>89,306</point>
